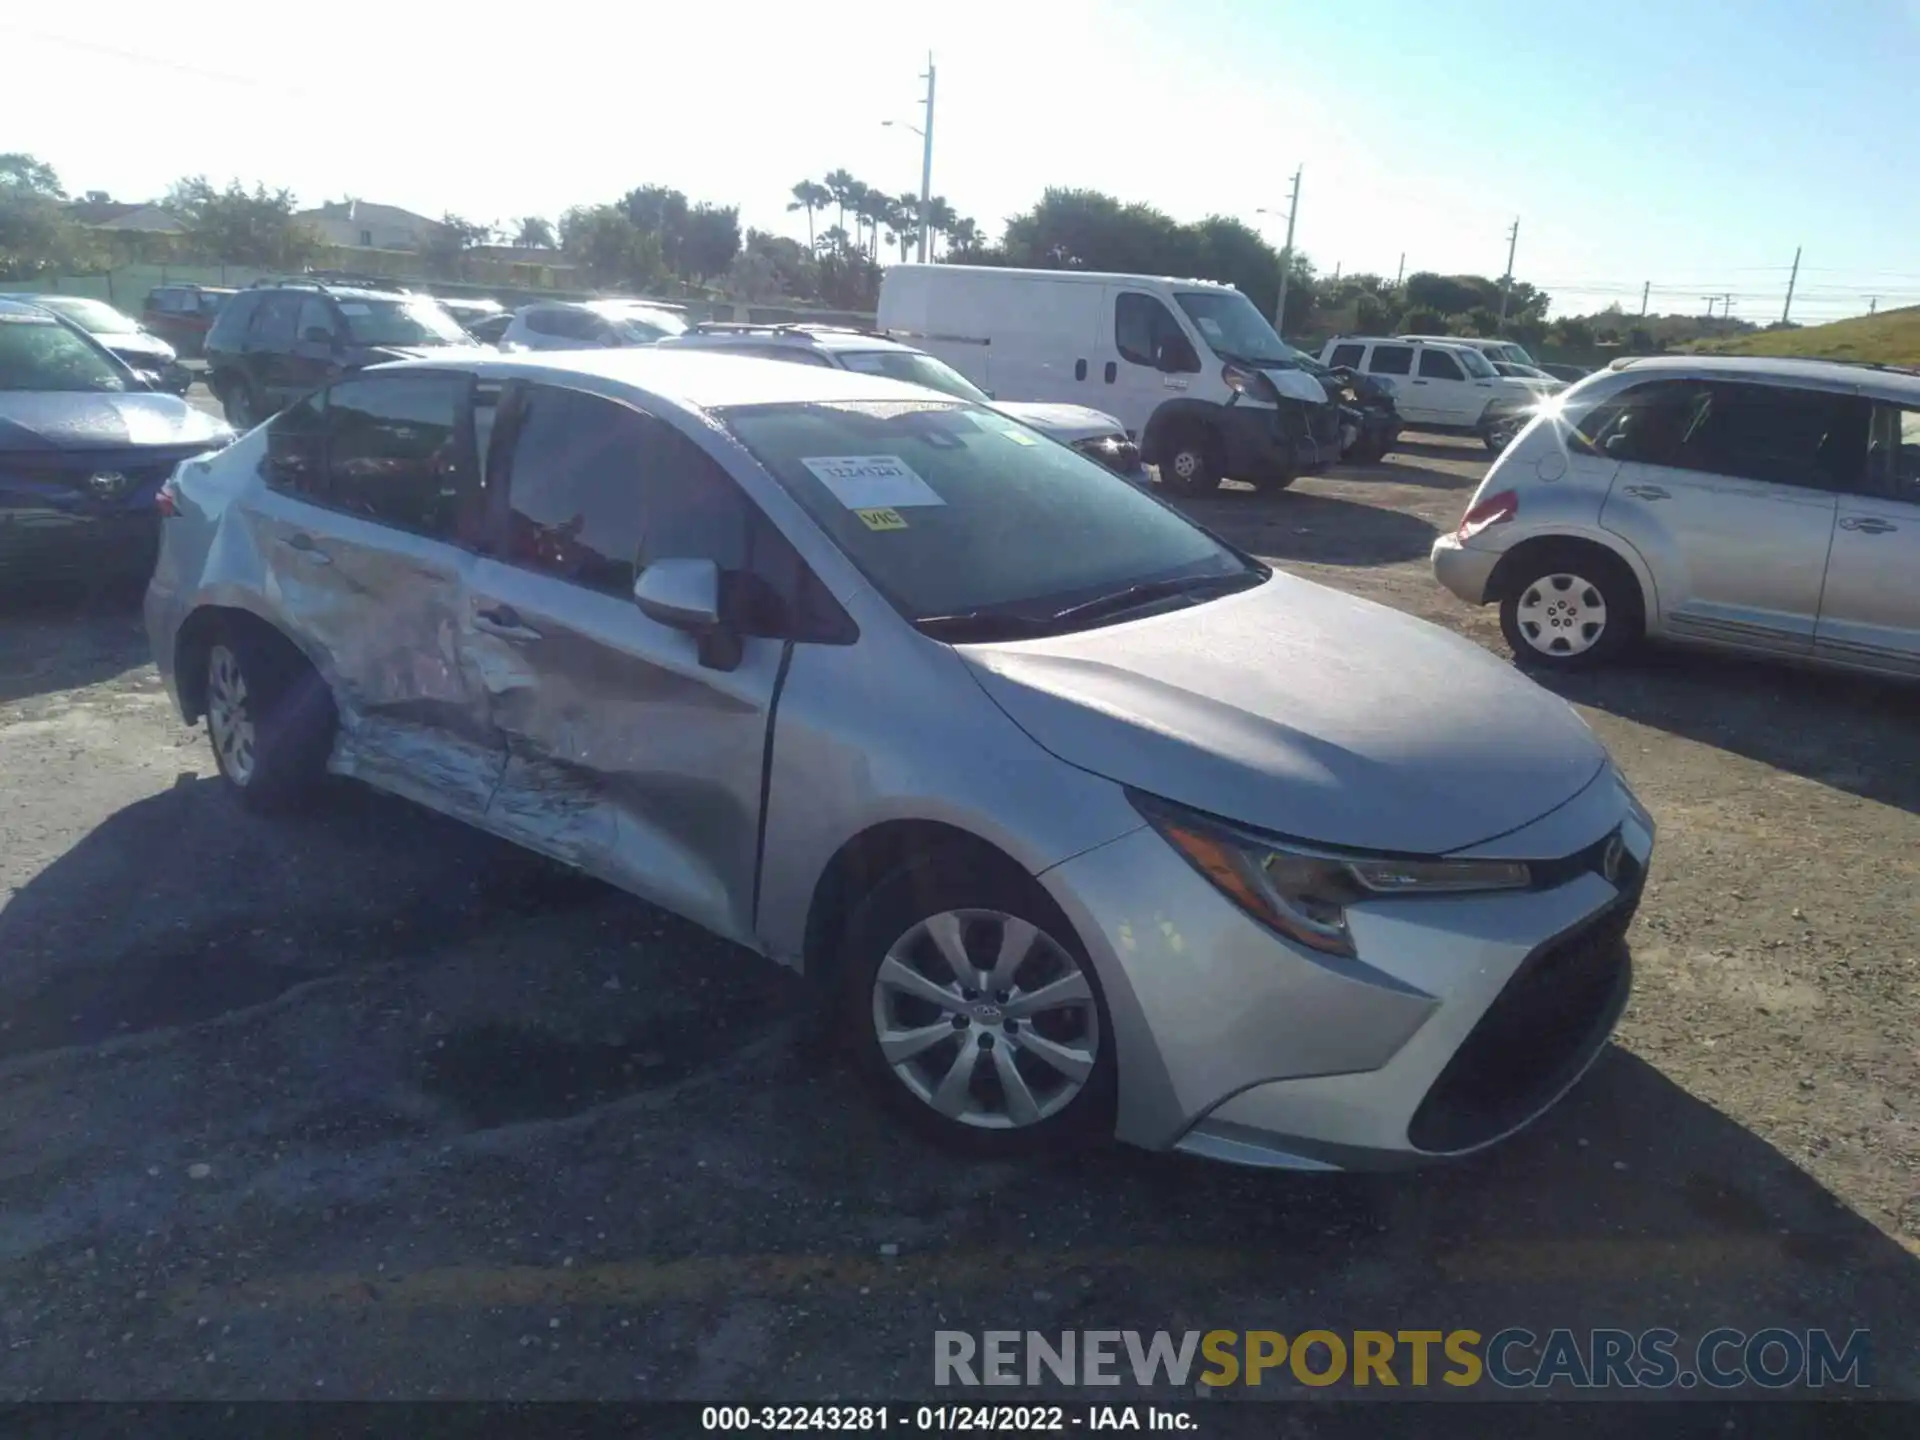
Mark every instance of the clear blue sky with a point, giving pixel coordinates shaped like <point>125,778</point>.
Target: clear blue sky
<point>1691,143</point>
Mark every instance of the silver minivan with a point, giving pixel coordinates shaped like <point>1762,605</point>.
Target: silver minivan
<point>1767,506</point>
<point>1086,823</point>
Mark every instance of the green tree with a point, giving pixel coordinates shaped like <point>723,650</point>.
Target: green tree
<point>1451,294</point>
<point>24,174</point>
<point>839,185</point>
<point>1421,320</point>
<point>534,233</point>
<point>36,237</point>
<point>1479,321</point>
<point>237,226</point>
<point>611,248</point>
<point>810,196</point>
<point>1371,314</point>
<point>709,241</point>
<point>964,239</point>
<point>1572,334</point>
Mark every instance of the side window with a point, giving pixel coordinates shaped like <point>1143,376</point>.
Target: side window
<point>573,493</point>
<point>541,322</point>
<point>1142,327</point>
<point>1347,355</point>
<point>296,448</point>
<point>1811,438</point>
<point>273,322</point>
<point>1391,360</point>
<point>1893,454</point>
<point>1439,365</point>
<point>393,453</point>
<point>793,354</point>
<point>314,315</point>
<point>233,321</point>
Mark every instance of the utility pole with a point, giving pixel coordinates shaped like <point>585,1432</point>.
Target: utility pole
<point>926,168</point>
<point>1712,300</point>
<point>1506,280</point>
<point>1726,307</point>
<point>1286,258</point>
<point>1787,309</point>
<point>1645,290</point>
<point>1336,272</point>
<point>1401,273</point>
<point>1873,304</point>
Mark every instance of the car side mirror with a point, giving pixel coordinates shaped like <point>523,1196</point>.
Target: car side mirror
<point>684,595</point>
<point>1616,445</point>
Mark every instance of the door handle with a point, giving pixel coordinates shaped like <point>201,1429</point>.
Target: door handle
<point>1867,524</point>
<point>303,543</point>
<point>1112,371</point>
<point>1645,492</point>
<point>1419,382</point>
<point>503,621</point>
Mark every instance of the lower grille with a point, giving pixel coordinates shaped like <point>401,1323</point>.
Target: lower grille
<point>1539,1033</point>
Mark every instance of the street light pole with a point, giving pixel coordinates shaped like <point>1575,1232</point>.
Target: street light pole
<point>926,168</point>
<point>1286,256</point>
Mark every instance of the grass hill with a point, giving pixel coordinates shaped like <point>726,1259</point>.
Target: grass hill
<point>1890,338</point>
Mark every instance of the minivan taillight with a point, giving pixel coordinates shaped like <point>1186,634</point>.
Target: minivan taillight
<point>1490,511</point>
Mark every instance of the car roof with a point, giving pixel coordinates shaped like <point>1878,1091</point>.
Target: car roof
<point>800,339</point>
<point>1067,277</point>
<point>1886,380</point>
<point>691,377</point>
<point>1448,343</point>
<point>9,305</point>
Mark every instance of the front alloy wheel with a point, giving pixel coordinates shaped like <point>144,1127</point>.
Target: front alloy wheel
<point>986,1019</point>
<point>230,717</point>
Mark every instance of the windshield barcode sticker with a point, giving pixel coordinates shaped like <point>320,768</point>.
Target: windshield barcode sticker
<point>871,482</point>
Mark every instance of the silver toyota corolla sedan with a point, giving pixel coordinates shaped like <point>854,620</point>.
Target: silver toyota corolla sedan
<point>1087,823</point>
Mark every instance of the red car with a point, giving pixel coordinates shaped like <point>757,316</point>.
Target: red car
<point>182,314</point>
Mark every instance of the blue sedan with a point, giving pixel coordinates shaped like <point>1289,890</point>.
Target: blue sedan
<point>84,450</point>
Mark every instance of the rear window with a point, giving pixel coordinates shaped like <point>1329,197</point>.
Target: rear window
<point>234,316</point>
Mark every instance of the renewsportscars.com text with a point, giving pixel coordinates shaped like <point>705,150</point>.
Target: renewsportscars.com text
<point>1512,1358</point>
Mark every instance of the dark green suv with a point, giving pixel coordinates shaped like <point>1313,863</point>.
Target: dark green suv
<point>277,341</point>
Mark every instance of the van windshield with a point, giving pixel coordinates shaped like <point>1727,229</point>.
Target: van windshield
<point>1236,330</point>
<point>974,529</point>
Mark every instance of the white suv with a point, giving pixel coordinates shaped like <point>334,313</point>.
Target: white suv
<point>1096,435</point>
<point>588,325</point>
<point>1443,385</point>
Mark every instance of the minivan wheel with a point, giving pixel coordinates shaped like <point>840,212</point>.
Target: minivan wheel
<point>1190,465</point>
<point>1570,609</point>
<point>270,719</point>
<point>974,1013</point>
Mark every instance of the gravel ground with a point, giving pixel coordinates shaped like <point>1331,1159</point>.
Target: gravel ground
<point>366,1104</point>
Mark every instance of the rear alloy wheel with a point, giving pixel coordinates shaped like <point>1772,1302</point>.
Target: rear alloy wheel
<point>1497,435</point>
<point>1571,610</point>
<point>976,1021</point>
<point>1189,467</point>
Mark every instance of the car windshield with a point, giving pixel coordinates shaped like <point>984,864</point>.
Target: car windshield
<point>645,326</point>
<point>1477,365</point>
<point>1236,330</point>
<point>972,527</point>
<point>1515,355</point>
<point>413,321</point>
<point>916,369</point>
<point>39,353</point>
<point>96,317</point>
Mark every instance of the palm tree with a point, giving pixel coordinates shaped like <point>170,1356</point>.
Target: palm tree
<point>876,207</point>
<point>840,185</point>
<point>940,218</point>
<point>860,202</point>
<point>963,234</point>
<point>909,203</point>
<point>810,195</point>
<point>534,233</point>
<point>899,222</point>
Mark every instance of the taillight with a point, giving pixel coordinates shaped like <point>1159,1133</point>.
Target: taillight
<point>1490,511</point>
<point>166,501</point>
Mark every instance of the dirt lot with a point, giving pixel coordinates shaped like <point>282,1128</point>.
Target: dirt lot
<point>369,1105</point>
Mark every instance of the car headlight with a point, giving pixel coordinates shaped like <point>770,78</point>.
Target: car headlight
<point>1303,892</point>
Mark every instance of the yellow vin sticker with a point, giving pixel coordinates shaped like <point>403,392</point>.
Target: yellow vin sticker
<point>881,519</point>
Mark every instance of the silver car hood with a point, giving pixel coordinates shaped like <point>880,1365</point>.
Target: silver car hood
<point>1062,422</point>
<point>1304,711</point>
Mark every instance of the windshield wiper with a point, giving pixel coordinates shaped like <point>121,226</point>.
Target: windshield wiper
<point>1132,597</point>
<point>980,625</point>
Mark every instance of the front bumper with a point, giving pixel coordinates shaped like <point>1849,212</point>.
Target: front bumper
<point>1464,1018</point>
<point>1464,570</point>
<point>1262,442</point>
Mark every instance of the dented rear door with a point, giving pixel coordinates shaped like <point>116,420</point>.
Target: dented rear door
<point>362,534</point>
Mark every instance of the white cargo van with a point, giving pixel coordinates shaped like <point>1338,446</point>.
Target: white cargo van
<point>1191,369</point>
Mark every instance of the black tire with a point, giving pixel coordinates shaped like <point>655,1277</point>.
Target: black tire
<point>879,928</point>
<point>1497,435</point>
<point>1190,464</point>
<point>240,401</point>
<point>1274,484</point>
<point>1548,600</point>
<point>291,714</point>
